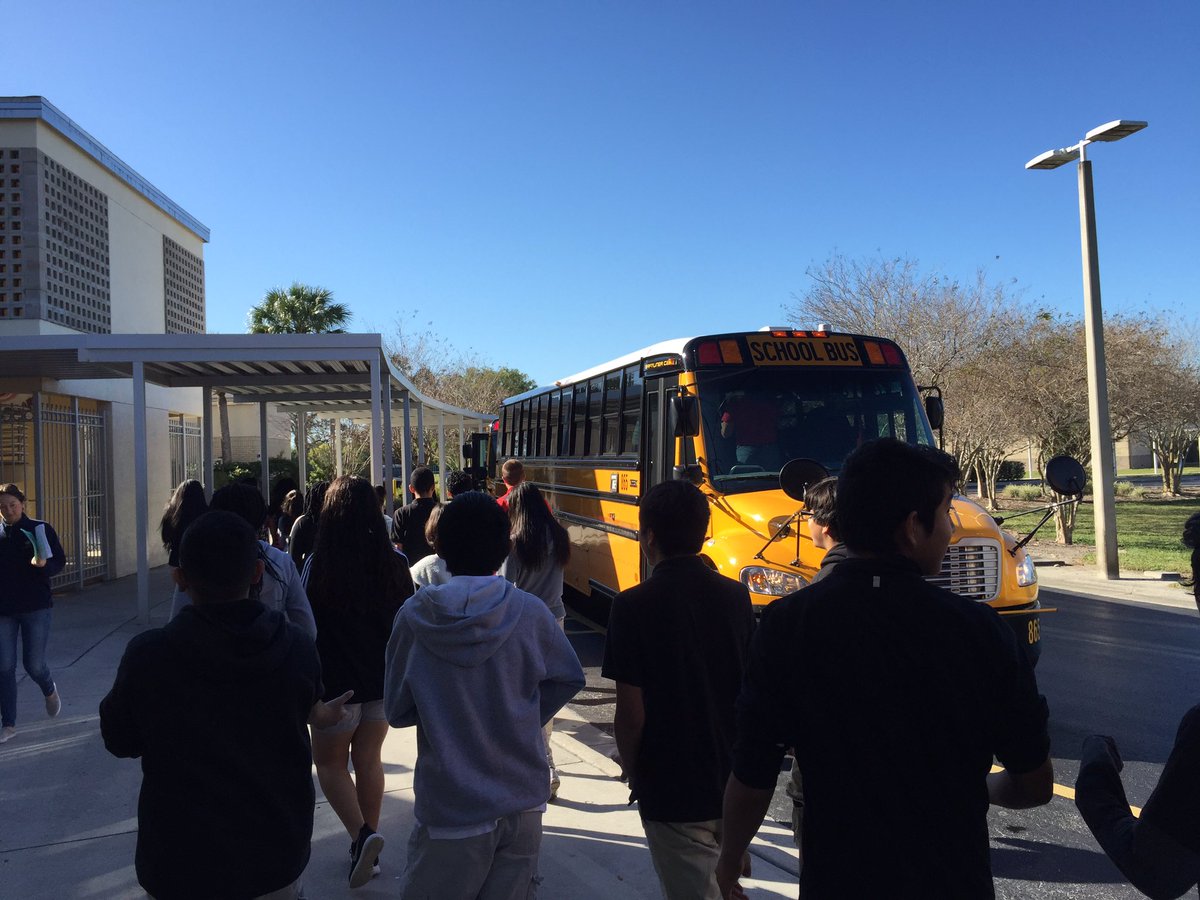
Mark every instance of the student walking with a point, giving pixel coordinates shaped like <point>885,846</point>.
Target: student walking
<point>304,529</point>
<point>186,505</point>
<point>896,695</point>
<point>216,704</point>
<point>478,666</point>
<point>430,569</point>
<point>676,646</point>
<point>30,555</point>
<point>280,587</point>
<point>512,473</point>
<point>356,582</point>
<point>408,530</point>
<point>540,550</point>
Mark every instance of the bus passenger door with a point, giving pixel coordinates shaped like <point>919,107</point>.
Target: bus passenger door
<point>657,446</point>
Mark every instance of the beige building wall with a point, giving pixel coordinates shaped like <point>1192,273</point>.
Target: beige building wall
<point>243,431</point>
<point>137,289</point>
<point>135,230</point>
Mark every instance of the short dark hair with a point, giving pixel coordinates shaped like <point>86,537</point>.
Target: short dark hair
<point>472,534</point>
<point>243,499</point>
<point>13,491</point>
<point>677,513</point>
<point>512,472</point>
<point>458,482</point>
<point>217,556</point>
<point>882,483</point>
<point>820,501</point>
<point>421,479</point>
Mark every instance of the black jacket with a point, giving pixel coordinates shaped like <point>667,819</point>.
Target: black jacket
<point>25,587</point>
<point>896,695</point>
<point>216,705</point>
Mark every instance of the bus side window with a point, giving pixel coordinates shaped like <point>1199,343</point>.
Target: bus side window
<point>552,436</point>
<point>579,420</point>
<point>631,411</point>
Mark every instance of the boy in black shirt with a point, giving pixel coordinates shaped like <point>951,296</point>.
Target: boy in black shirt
<point>408,523</point>
<point>896,696</point>
<point>217,705</point>
<point>676,646</point>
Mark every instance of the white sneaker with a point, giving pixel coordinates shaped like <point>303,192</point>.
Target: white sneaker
<point>555,781</point>
<point>7,733</point>
<point>53,703</point>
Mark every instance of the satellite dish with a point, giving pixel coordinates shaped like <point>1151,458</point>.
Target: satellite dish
<point>798,474</point>
<point>1065,475</point>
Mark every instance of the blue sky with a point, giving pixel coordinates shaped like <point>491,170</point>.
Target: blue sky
<point>557,183</point>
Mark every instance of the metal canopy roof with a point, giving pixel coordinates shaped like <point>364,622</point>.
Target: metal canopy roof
<point>326,373</point>
<point>335,375</point>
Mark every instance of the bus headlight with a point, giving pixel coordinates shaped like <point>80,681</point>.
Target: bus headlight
<point>761,580</point>
<point>1026,571</point>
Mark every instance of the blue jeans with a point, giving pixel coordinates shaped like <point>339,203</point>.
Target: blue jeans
<point>35,629</point>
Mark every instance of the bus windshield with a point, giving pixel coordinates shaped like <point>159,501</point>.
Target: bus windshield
<point>755,420</point>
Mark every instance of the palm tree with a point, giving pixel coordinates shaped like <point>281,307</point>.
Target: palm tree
<point>299,309</point>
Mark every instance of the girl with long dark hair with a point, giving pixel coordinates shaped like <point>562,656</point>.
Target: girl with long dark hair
<point>540,551</point>
<point>186,505</point>
<point>304,529</point>
<point>356,582</point>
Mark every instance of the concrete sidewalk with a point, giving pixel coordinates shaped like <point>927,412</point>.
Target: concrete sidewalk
<point>70,809</point>
<point>1131,587</point>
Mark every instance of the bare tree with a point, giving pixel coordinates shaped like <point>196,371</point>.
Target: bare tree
<point>453,374</point>
<point>1163,393</point>
<point>938,321</point>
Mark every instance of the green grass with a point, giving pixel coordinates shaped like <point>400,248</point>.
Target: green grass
<point>1148,533</point>
<point>1187,470</point>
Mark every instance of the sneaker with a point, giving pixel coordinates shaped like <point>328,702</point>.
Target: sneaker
<point>363,853</point>
<point>555,781</point>
<point>53,703</point>
<point>7,733</point>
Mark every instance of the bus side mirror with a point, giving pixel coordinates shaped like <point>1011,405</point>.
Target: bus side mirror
<point>685,415</point>
<point>936,411</point>
<point>468,452</point>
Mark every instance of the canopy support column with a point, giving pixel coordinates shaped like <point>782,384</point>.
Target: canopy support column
<point>462,439</point>
<point>206,442</point>
<point>302,450</point>
<point>141,492</point>
<point>388,440</point>
<point>442,449</point>
<point>264,475</point>
<point>337,446</point>
<point>376,423</point>
<point>420,434</point>
<point>408,466</point>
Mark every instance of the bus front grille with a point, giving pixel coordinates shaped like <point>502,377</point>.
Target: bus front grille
<point>971,569</point>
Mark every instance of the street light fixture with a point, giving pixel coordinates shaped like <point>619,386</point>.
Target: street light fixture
<point>1103,467</point>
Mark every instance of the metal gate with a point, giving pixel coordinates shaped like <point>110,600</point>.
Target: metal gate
<point>184,435</point>
<point>70,487</point>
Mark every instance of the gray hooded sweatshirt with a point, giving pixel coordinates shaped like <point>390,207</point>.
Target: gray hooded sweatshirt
<point>479,667</point>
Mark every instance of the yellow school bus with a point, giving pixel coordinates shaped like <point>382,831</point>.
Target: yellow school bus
<point>730,412</point>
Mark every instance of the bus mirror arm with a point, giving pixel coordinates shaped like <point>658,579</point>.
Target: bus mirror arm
<point>780,532</point>
<point>1047,511</point>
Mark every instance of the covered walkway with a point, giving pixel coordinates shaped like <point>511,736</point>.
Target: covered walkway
<point>336,376</point>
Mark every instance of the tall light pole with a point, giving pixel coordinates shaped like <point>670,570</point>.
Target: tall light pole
<point>1099,426</point>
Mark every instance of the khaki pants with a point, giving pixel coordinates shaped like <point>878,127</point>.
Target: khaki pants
<point>499,865</point>
<point>685,857</point>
